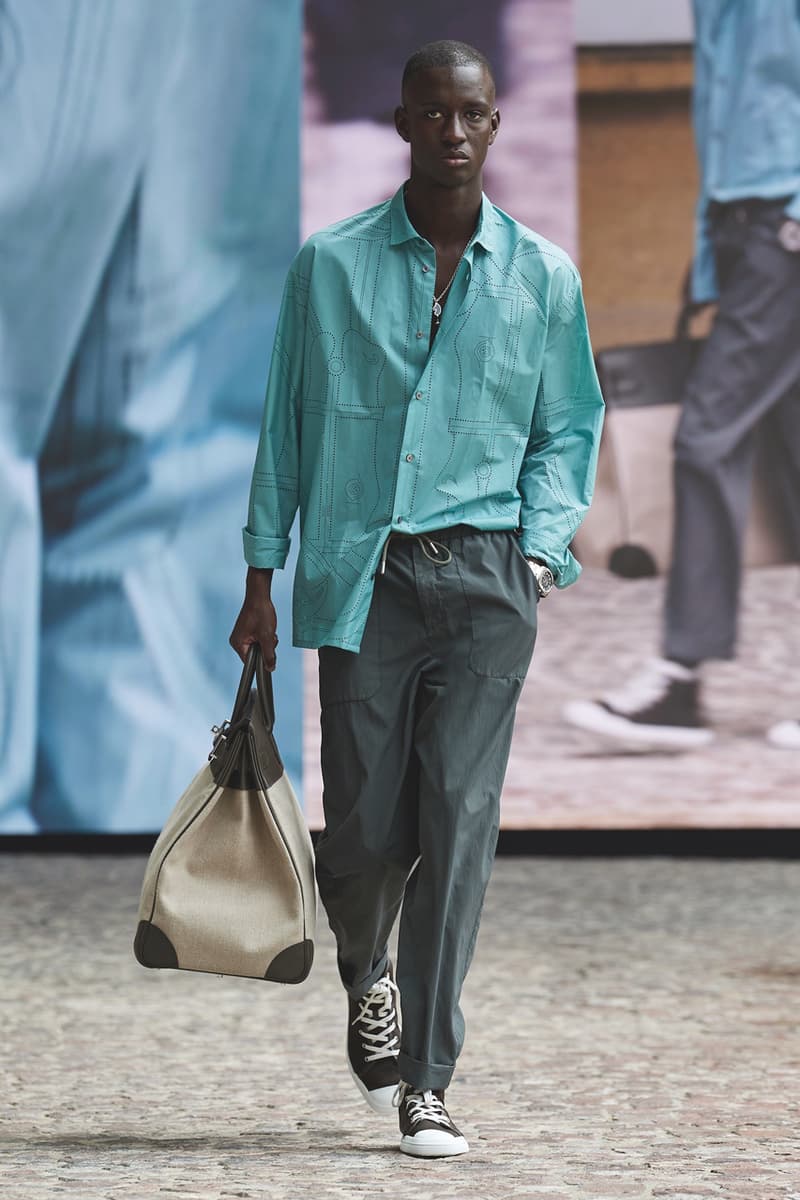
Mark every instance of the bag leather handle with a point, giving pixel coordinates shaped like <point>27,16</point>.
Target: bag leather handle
<point>254,668</point>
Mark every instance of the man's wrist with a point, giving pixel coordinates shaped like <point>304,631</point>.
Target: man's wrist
<point>259,581</point>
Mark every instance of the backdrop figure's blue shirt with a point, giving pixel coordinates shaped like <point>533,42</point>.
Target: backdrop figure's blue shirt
<point>746,104</point>
<point>367,429</point>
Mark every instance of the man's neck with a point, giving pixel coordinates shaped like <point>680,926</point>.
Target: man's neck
<point>444,216</point>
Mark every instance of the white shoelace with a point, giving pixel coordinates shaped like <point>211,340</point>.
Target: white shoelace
<point>422,1106</point>
<point>647,686</point>
<point>376,1021</point>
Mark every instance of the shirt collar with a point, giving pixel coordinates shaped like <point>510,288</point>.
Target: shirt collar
<point>401,229</point>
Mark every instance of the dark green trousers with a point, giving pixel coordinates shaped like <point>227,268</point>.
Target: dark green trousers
<point>416,730</point>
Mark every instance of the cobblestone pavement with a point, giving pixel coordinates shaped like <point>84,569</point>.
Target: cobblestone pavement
<point>592,636</point>
<point>631,1032</point>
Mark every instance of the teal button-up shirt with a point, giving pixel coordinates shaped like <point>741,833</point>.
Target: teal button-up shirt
<point>746,112</point>
<point>369,429</point>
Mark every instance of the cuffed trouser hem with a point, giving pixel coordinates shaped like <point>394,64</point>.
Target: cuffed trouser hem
<point>362,987</point>
<point>435,1076</point>
<point>681,650</point>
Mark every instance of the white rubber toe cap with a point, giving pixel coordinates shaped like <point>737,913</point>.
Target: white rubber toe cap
<point>380,1100</point>
<point>433,1143</point>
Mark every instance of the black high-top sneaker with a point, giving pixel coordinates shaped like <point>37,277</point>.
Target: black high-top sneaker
<point>657,709</point>
<point>425,1126</point>
<point>373,1043</point>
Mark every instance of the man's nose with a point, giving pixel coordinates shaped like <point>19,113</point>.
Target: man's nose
<point>453,131</point>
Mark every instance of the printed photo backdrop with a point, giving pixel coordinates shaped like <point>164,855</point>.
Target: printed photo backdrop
<point>148,213</point>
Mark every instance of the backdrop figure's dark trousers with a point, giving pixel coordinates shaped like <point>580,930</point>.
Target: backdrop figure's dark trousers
<point>416,730</point>
<point>747,379</point>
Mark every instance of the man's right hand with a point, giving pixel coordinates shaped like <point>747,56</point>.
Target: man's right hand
<point>257,620</point>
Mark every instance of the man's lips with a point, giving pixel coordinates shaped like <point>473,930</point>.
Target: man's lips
<point>455,157</point>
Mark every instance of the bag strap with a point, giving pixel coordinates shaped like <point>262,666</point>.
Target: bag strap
<point>265,693</point>
<point>254,668</point>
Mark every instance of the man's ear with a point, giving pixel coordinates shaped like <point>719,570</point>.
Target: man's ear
<point>495,119</point>
<point>401,122</point>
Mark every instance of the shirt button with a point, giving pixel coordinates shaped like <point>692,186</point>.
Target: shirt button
<point>420,333</point>
<point>418,395</point>
<point>425,269</point>
<point>399,520</point>
<point>409,458</point>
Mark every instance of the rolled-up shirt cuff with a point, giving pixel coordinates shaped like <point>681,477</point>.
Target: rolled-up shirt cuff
<point>264,551</point>
<point>562,563</point>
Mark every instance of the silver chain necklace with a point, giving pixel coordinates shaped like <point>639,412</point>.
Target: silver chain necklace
<point>437,300</point>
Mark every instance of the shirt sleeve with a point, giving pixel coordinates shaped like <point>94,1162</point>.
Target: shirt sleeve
<point>558,468</point>
<point>275,487</point>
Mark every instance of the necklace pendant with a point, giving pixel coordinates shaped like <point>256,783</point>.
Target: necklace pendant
<point>437,309</point>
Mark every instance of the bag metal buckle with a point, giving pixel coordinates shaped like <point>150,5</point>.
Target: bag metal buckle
<point>220,735</point>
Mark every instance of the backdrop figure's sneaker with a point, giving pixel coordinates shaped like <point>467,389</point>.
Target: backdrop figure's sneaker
<point>373,1043</point>
<point>657,709</point>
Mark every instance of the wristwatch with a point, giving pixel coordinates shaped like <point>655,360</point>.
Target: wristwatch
<point>789,235</point>
<point>545,582</point>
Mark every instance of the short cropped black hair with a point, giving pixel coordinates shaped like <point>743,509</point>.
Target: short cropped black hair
<point>445,54</point>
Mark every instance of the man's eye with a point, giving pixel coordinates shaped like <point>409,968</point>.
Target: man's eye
<point>433,112</point>
<point>474,115</point>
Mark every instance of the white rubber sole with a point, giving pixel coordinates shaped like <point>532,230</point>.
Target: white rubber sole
<point>381,1100</point>
<point>430,1144</point>
<point>785,735</point>
<point>586,714</point>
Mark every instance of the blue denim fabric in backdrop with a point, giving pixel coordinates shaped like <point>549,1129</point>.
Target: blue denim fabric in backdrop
<point>148,213</point>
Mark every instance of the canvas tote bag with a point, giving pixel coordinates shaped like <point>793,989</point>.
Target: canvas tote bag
<point>628,528</point>
<point>229,886</point>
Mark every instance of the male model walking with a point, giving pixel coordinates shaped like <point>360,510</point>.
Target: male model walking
<point>433,412</point>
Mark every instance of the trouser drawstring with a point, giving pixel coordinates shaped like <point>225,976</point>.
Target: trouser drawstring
<point>441,554</point>
<point>435,551</point>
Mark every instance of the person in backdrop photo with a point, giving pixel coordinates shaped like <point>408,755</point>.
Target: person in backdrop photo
<point>433,413</point>
<point>746,382</point>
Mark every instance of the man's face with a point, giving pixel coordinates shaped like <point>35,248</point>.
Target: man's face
<point>449,119</point>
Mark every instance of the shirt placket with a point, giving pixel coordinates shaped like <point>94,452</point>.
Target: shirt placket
<point>420,399</point>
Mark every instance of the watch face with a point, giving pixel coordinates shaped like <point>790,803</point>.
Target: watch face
<point>545,581</point>
<point>789,236</point>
